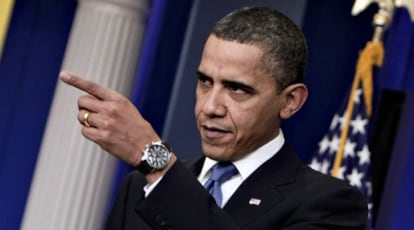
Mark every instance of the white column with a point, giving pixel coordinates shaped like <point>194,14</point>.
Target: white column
<point>73,176</point>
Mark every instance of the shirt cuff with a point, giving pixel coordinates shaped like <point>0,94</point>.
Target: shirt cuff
<point>149,187</point>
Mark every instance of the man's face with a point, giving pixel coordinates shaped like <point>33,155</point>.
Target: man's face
<point>237,108</point>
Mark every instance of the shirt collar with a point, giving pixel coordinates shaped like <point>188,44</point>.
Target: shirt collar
<point>250,162</point>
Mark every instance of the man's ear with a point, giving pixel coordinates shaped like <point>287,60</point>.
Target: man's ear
<point>296,96</point>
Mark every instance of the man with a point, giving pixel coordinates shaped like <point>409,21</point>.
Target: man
<point>249,79</point>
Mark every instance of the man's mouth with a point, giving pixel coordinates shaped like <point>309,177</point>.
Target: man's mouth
<point>212,132</point>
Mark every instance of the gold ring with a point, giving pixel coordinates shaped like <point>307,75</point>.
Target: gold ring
<point>85,119</point>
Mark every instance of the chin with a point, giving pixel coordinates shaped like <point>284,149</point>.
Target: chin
<point>214,153</point>
<point>218,155</point>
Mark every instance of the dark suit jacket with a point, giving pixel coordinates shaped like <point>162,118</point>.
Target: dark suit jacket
<point>292,196</point>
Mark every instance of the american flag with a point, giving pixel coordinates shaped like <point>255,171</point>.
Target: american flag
<point>255,201</point>
<point>355,164</point>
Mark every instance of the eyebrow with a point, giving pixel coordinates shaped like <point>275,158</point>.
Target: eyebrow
<point>240,85</point>
<point>202,75</point>
<point>229,83</point>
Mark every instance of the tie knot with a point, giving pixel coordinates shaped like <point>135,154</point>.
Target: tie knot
<point>222,171</point>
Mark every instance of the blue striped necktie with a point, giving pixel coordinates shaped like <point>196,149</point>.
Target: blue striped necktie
<point>222,171</point>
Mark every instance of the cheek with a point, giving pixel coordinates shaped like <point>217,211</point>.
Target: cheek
<point>253,124</point>
<point>196,110</point>
<point>243,121</point>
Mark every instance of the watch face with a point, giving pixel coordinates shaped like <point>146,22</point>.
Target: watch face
<point>158,156</point>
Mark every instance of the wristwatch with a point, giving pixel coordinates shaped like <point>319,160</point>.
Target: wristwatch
<point>156,157</point>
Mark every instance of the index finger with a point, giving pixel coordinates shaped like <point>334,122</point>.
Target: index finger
<point>85,85</point>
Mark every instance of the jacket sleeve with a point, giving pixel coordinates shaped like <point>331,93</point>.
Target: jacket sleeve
<point>179,201</point>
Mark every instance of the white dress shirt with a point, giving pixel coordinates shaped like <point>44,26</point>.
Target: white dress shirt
<point>246,166</point>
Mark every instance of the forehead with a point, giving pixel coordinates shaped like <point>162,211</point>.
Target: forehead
<point>228,58</point>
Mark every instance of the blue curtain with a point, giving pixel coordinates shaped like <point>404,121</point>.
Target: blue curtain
<point>28,72</point>
<point>397,73</point>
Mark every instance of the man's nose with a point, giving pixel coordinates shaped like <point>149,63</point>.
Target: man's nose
<point>214,104</point>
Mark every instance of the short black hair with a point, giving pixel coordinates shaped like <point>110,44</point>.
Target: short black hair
<point>283,44</point>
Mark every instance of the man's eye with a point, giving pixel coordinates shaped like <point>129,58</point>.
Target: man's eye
<point>204,81</point>
<point>236,89</point>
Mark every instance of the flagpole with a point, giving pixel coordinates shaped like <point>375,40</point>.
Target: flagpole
<point>372,55</point>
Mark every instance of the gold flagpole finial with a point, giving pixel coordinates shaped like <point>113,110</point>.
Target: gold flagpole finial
<point>384,15</point>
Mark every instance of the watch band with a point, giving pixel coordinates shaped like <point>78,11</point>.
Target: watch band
<point>144,168</point>
<point>166,145</point>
